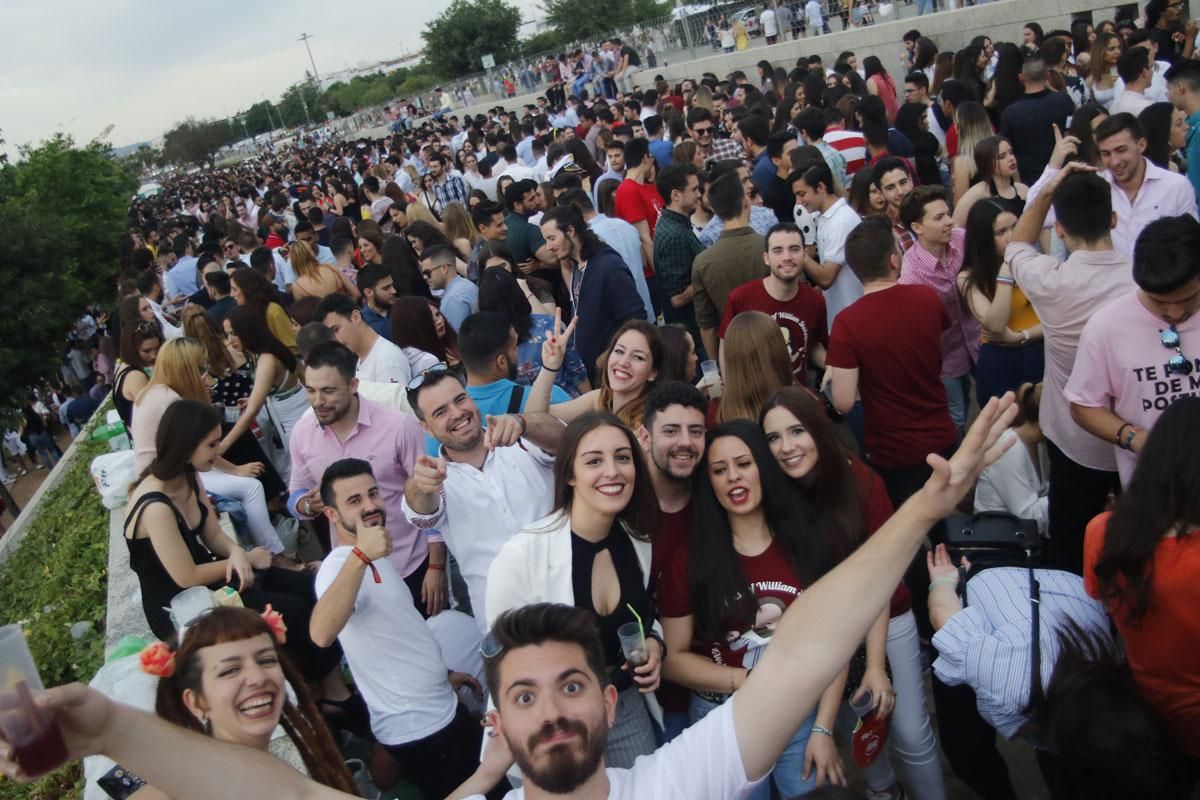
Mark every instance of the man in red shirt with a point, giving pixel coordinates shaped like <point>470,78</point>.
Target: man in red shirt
<point>851,144</point>
<point>637,200</point>
<point>798,308</point>
<point>887,348</point>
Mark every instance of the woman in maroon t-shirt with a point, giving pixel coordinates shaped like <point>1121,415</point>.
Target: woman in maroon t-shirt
<point>755,546</point>
<point>850,500</point>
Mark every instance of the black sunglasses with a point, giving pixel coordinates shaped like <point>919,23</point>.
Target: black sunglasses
<point>1178,364</point>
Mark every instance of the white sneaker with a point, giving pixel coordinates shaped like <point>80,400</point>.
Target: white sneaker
<point>893,792</point>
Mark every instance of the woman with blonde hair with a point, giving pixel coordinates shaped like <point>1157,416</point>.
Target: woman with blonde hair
<point>702,98</point>
<point>459,229</point>
<point>1102,73</point>
<point>420,213</point>
<point>755,364</point>
<point>314,279</point>
<point>974,125</point>
<point>179,373</point>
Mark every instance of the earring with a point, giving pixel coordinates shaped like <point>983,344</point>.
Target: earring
<point>206,723</point>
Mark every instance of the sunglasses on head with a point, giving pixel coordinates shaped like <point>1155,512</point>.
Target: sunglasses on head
<point>1178,364</point>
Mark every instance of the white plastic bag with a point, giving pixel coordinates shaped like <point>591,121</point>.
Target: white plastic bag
<point>112,473</point>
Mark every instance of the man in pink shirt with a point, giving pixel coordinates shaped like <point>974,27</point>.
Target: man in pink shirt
<point>934,261</point>
<point>1141,191</point>
<point>1065,295</point>
<point>343,425</point>
<point>1137,355</point>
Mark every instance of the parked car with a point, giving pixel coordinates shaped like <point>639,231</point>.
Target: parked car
<point>749,19</point>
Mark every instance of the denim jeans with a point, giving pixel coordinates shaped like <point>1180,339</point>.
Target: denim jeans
<point>924,7</point>
<point>47,450</point>
<point>911,740</point>
<point>790,766</point>
<point>958,392</point>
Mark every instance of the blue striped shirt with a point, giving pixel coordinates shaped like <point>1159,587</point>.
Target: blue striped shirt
<point>986,645</point>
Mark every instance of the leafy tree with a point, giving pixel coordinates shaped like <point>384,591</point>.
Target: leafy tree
<point>62,211</point>
<point>301,103</point>
<point>543,42</point>
<point>260,118</point>
<point>194,141</point>
<point>586,19</point>
<point>457,40</point>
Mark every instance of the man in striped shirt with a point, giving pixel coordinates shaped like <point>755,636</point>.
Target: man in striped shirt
<point>851,144</point>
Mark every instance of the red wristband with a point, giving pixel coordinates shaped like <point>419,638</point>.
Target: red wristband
<point>436,566</point>
<point>363,558</point>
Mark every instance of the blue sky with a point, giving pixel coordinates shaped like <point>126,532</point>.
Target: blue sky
<point>141,66</point>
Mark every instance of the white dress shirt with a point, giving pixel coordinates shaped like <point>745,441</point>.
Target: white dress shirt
<point>480,509</point>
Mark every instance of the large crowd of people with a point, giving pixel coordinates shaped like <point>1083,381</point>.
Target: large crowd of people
<point>629,424</point>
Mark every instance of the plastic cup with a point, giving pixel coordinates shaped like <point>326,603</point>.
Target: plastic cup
<point>189,604</point>
<point>711,377</point>
<point>633,643</point>
<point>33,733</point>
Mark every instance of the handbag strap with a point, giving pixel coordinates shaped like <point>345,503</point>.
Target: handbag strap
<point>514,399</point>
<point>1036,695</point>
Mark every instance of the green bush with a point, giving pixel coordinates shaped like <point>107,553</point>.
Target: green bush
<point>57,577</point>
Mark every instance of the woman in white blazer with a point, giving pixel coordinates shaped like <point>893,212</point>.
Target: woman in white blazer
<point>593,552</point>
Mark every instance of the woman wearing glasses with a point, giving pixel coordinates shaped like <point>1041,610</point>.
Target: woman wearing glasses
<point>179,373</point>
<point>140,342</point>
<point>593,552</point>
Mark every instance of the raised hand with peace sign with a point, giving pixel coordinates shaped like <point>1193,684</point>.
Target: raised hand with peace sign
<point>554,348</point>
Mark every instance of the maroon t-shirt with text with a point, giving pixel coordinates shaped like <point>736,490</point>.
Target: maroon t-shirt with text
<point>893,337</point>
<point>774,584</point>
<point>802,319</point>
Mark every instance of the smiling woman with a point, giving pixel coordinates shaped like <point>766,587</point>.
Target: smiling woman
<point>593,552</point>
<point>228,681</point>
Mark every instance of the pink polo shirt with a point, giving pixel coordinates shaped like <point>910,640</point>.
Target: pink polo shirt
<point>960,342</point>
<point>387,439</point>
<point>1065,295</point>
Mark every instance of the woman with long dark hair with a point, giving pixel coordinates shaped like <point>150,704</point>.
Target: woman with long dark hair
<point>593,552</point>
<point>851,503</point>
<point>401,262</point>
<point>417,324</point>
<point>913,121</point>
<point>222,659</point>
<point>276,385</point>
<point>880,84</point>
<point>175,543</point>
<point>500,291</point>
<point>1166,130</point>
<point>755,545</point>
<point>1012,352</point>
<point>1141,560</point>
<point>251,288</point>
<point>996,178</point>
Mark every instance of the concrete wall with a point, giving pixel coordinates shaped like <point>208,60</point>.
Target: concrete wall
<point>950,30</point>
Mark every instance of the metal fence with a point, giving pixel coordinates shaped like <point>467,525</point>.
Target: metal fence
<point>690,32</point>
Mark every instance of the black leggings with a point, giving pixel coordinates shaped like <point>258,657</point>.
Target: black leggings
<point>969,742</point>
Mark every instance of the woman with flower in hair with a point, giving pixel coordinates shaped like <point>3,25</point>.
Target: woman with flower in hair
<point>225,675</point>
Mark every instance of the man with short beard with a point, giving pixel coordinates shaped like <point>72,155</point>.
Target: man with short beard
<point>398,667</point>
<point>485,483</point>
<point>378,290</point>
<point>343,425</point>
<point>672,436</point>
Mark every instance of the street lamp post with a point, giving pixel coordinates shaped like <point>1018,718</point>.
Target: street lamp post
<point>304,37</point>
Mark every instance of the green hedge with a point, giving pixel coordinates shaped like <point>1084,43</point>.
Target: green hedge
<point>57,577</point>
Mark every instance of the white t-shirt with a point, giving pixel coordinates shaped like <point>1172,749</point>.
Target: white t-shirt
<point>386,363</point>
<point>769,25</point>
<point>702,762</point>
<point>833,226</point>
<point>396,660</point>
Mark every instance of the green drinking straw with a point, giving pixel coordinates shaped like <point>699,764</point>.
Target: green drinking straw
<point>641,625</point>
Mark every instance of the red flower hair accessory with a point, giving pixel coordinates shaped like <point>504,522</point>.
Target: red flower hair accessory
<point>157,659</point>
<point>275,622</point>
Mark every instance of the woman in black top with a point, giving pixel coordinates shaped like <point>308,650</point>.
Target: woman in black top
<point>139,348</point>
<point>175,542</point>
